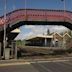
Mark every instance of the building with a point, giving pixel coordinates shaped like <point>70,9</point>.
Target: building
<point>66,39</point>
<point>53,40</point>
<point>58,39</point>
<point>39,40</point>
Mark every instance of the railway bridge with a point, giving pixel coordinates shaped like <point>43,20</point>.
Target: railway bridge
<point>21,17</point>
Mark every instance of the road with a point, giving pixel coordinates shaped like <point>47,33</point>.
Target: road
<point>63,66</point>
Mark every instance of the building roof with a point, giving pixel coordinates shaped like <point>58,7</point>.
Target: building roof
<point>67,35</point>
<point>40,36</point>
<point>45,36</point>
<point>17,30</point>
<point>57,34</point>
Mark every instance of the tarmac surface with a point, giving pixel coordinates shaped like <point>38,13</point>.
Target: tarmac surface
<point>37,66</point>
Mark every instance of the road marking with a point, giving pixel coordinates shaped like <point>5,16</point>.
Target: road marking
<point>68,63</point>
<point>49,61</point>
<point>11,64</point>
<point>60,60</point>
<point>47,69</point>
<point>63,65</point>
<point>29,62</point>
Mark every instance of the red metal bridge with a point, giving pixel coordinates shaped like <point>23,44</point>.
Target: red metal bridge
<point>21,17</point>
<point>37,16</point>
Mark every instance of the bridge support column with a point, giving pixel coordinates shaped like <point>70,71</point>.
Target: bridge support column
<point>14,50</point>
<point>45,44</point>
<point>0,50</point>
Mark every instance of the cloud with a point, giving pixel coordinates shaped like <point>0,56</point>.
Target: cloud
<point>29,26</point>
<point>36,28</point>
<point>58,29</point>
<point>39,29</point>
<point>23,36</point>
<point>43,28</point>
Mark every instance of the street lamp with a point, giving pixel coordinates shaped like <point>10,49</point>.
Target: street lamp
<point>4,41</point>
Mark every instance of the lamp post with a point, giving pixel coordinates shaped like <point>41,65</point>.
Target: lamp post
<point>64,19</point>
<point>4,41</point>
<point>14,7</point>
<point>25,10</point>
<point>64,8</point>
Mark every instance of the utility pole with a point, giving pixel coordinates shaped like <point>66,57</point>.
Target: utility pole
<point>4,41</point>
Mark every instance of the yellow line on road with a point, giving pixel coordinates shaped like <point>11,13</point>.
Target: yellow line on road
<point>11,64</point>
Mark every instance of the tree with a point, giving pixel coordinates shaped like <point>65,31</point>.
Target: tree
<point>48,32</point>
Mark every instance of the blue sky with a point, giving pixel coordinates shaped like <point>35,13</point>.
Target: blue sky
<point>38,4</point>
